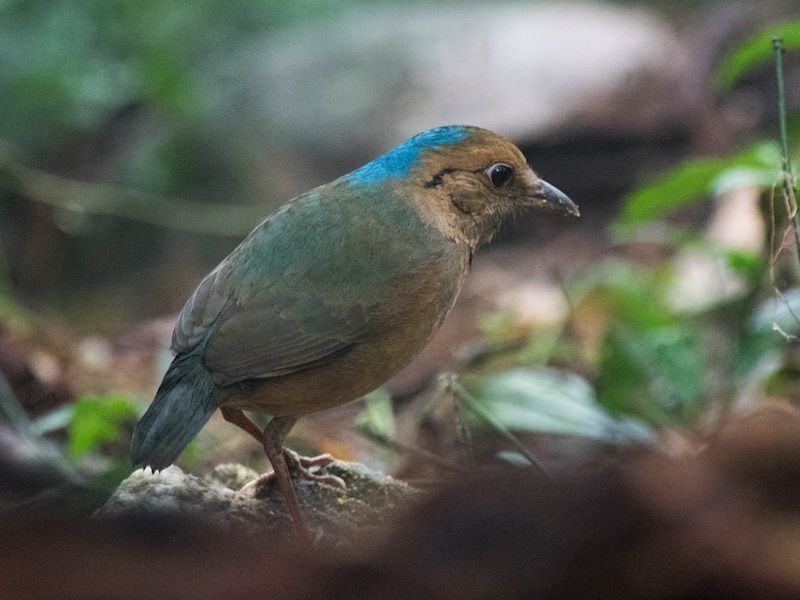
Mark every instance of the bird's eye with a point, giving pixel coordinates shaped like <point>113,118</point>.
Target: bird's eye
<point>499,174</point>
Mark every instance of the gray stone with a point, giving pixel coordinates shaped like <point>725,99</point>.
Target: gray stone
<point>380,74</point>
<point>340,515</point>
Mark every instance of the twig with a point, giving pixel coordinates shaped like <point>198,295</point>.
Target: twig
<point>464,396</point>
<point>788,177</point>
<point>104,199</point>
<point>19,421</point>
<point>787,187</point>
<point>13,411</point>
<point>401,448</point>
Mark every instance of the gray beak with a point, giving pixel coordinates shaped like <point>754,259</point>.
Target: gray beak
<point>551,198</point>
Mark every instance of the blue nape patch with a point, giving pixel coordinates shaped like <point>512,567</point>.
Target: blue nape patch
<point>398,161</point>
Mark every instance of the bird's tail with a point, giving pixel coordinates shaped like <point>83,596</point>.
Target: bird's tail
<point>184,403</point>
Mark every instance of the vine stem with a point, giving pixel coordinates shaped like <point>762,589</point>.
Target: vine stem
<point>788,176</point>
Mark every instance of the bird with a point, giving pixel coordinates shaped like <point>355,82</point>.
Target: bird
<point>335,292</point>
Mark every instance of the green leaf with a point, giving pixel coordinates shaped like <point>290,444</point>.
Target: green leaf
<point>755,50</point>
<point>550,401</point>
<point>746,263</point>
<point>655,374</point>
<point>760,165</point>
<point>98,419</point>
<point>689,181</point>
<point>698,178</point>
<point>629,292</point>
<point>378,413</point>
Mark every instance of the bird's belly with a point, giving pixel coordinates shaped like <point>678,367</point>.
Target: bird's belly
<point>362,370</point>
<point>411,324</point>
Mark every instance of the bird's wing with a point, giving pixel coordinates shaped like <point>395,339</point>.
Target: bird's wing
<point>277,334</point>
<point>299,291</point>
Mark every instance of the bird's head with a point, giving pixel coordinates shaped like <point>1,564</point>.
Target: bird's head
<point>465,180</point>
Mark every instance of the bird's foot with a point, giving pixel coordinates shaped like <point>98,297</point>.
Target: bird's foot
<point>307,467</point>
<point>300,467</point>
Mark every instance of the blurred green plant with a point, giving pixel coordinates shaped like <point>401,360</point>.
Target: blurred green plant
<point>755,50</point>
<point>699,178</point>
<point>650,359</point>
<point>67,66</point>
<point>660,360</point>
<point>544,400</point>
<point>96,420</point>
<point>671,370</point>
<point>377,417</point>
<point>760,164</point>
<point>98,429</point>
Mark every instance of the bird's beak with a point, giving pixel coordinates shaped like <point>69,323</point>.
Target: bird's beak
<point>550,197</point>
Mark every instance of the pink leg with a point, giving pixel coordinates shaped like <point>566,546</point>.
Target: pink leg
<point>299,466</point>
<point>285,463</point>
<point>238,418</point>
<point>274,434</point>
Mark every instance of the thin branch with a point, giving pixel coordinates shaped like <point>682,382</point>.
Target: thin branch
<point>18,420</point>
<point>103,199</point>
<point>477,408</point>
<point>788,176</point>
<point>387,442</point>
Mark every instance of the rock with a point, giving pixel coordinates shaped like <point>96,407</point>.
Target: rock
<point>379,74</point>
<point>339,515</point>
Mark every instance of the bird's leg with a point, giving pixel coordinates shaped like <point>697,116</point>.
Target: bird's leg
<point>274,434</point>
<point>238,418</point>
<point>285,463</point>
<point>272,440</point>
<point>299,466</point>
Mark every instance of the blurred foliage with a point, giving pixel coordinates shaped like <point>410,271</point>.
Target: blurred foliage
<point>656,359</point>
<point>97,420</point>
<point>756,50</point>
<point>98,434</point>
<point>145,73</point>
<point>699,178</point>
<point>66,66</point>
<point>759,164</point>
<point>126,93</point>
<point>651,363</point>
<point>377,418</point>
<point>546,400</point>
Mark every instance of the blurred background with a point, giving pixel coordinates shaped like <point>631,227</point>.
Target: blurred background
<point>140,141</point>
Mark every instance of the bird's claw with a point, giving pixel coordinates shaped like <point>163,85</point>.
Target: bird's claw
<point>300,467</point>
<point>307,467</point>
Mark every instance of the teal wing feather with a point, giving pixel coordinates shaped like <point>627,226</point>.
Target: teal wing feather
<point>305,286</point>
